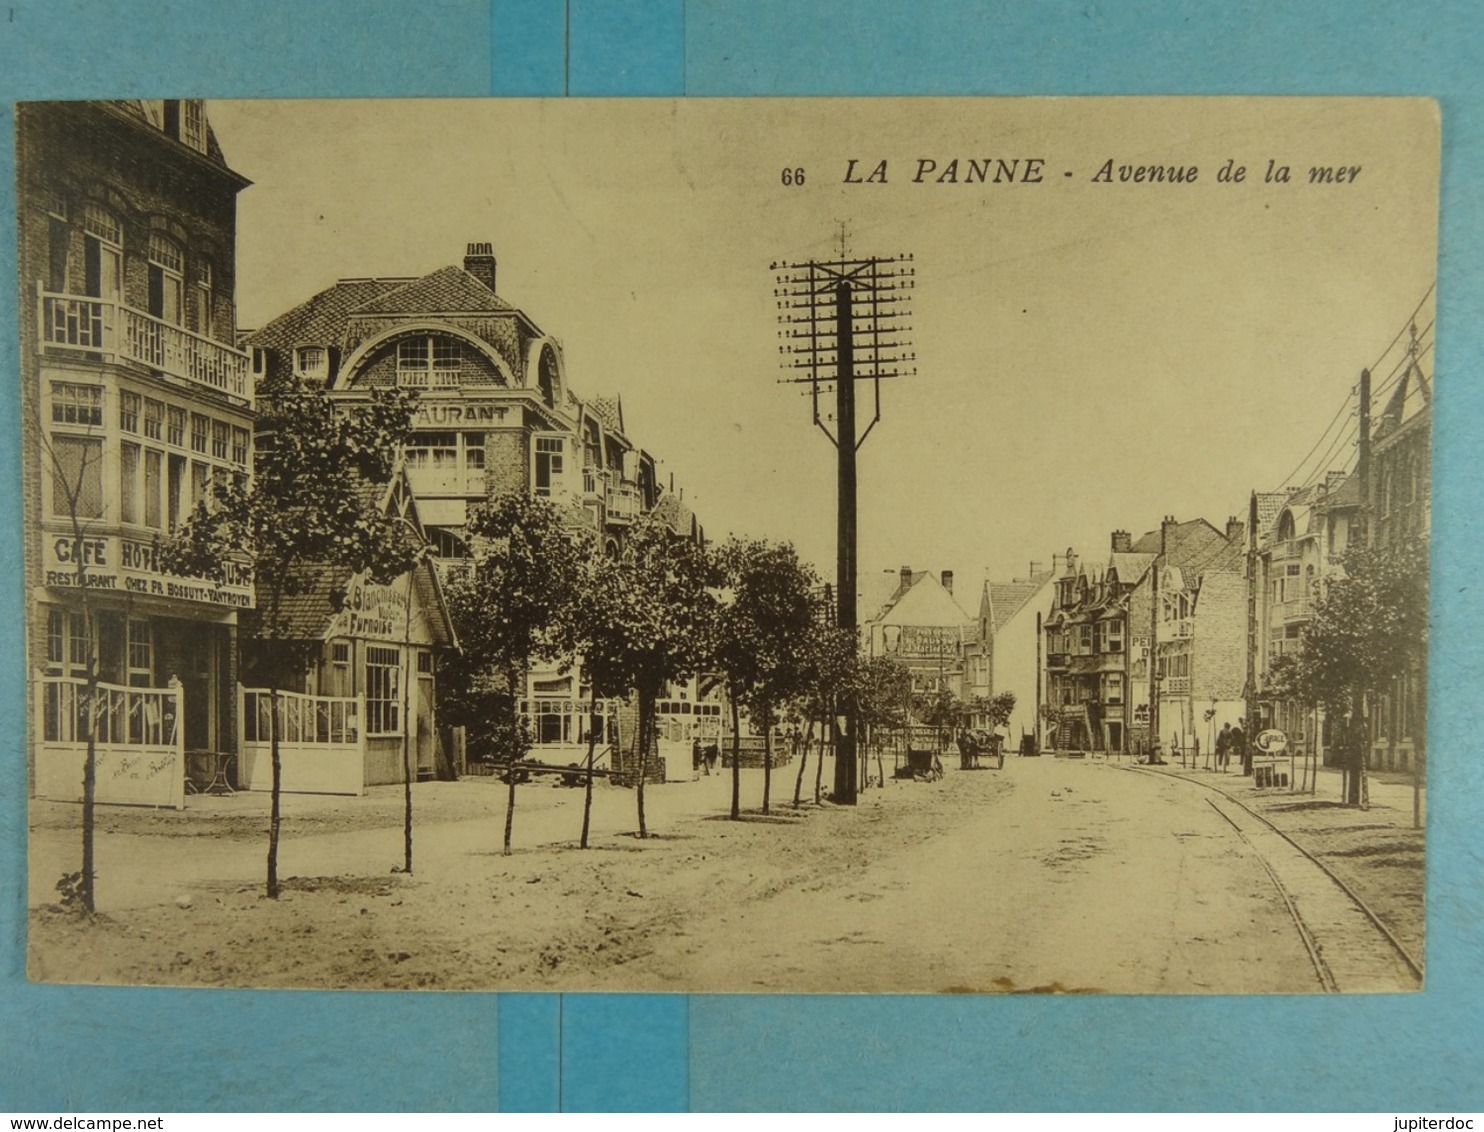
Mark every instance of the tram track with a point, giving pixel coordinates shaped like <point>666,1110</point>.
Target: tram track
<point>1338,928</point>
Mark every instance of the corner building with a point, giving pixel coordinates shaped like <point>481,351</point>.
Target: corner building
<point>134,400</point>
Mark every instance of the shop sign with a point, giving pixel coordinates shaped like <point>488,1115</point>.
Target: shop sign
<point>924,642</point>
<point>126,565</point>
<point>372,612</point>
<point>459,413</point>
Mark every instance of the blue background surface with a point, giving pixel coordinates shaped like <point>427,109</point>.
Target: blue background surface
<point>84,1049</point>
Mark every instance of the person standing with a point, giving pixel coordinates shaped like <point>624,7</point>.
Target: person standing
<point>1223,747</point>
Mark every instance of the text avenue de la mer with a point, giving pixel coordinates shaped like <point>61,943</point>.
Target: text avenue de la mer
<point>1112,171</point>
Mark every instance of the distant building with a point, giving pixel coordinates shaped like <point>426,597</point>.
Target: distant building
<point>914,618</point>
<point>1399,509</point>
<point>1301,537</point>
<point>134,400</point>
<point>1005,655</point>
<point>1101,675</point>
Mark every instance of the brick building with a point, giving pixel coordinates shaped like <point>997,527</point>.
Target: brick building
<point>134,399</point>
<point>495,415</point>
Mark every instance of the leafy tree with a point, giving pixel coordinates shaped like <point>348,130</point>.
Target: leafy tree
<point>1369,630</point>
<point>940,709</point>
<point>829,667</point>
<point>767,623</point>
<point>304,507</point>
<point>510,606</point>
<point>662,617</point>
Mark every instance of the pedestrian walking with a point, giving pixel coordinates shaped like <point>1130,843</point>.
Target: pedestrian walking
<point>1224,746</point>
<point>697,758</point>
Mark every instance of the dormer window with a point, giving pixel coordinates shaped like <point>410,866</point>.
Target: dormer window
<point>311,361</point>
<point>429,361</point>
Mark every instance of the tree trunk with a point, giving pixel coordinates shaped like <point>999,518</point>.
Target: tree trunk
<point>1356,734</point>
<point>90,784</point>
<point>803,760</point>
<point>819,762</point>
<point>516,752</point>
<point>592,745</point>
<point>646,706</point>
<point>767,755</point>
<point>275,795</point>
<point>736,755</point>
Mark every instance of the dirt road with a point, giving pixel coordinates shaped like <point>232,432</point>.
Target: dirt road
<point>1051,875</point>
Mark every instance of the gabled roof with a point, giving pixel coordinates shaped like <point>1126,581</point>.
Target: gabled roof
<point>1130,565</point>
<point>1179,541</point>
<point>924,602</point>
<point>449,289</point>
<point>609,410</point>
<point>1006,599</point>
<point>1269,505</point>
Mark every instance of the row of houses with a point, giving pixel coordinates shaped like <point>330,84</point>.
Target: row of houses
<point>137,394</point>
<point>1170,636</point>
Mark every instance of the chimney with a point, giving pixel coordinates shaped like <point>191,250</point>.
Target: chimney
<point>947,579</point>
<point>479,261</point>
<point>1123,542</point>
<point>1167,525</point>
<point>906,576</point>
<point>1233,528</point>
<point>1035,568</point>
<point>1071,561</point>
<point>1333,480</point>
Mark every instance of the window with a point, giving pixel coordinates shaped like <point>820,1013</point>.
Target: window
<point>129,483</point>
<point>549,451</point>
<point>166,278</point>
<point>200,426</point>
<point>340,652</point>
<point>152,461</point>
<point>103,254</point>
<point>77,477</point>
<point>240,437</point>
<point>77,404</point>
<point>1115,636</point>
<point>424,663</point>
<point>311,361</point>
<point>1084,640</point>
<point>173,486</point>
<point>220,433</point>
<point>141,653</point>
<point>154,413</point>
<point>1112,688</point>
<point>175,431</point>
<point>432,360</point>
<point>259,361</point>
<point>193,124</point>
<point>204,313</point>
<point>129,411</point>
<point>383,690</point>
<point>200,482</point>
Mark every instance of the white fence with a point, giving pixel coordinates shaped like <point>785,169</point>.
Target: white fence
<point>321,742</point>
<point>139,758</point>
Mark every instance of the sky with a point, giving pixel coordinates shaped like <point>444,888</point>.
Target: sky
<point>1091,353</point>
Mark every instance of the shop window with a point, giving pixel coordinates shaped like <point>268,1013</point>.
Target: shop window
<point>383,690</point>
<point>141,653</point>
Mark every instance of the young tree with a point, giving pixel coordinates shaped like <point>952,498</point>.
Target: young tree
<point>1369,630</point>
<point>305,507</point>
<point>767,623</point>
<point>510,606</point>
<point>659,628</point>
<point>829,669</point>
<point>77,494</point>
<point>883,689</point>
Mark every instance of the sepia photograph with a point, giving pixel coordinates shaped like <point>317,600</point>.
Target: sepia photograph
<point>898,545</point>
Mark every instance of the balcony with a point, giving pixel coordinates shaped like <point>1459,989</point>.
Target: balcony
<point>594,484</point>
<point>99,326</point>
<point>1176,686</point>
<point>625,504</point>
<point>1296,609</point>
<point>1056,660</point>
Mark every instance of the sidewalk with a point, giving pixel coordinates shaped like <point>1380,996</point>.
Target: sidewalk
<point>1375,851</point>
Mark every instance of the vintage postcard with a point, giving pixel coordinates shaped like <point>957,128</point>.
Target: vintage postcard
<point>828,545</point>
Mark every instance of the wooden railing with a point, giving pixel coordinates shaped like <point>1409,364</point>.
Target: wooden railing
<point>79,322</point>
<point>139,757</point>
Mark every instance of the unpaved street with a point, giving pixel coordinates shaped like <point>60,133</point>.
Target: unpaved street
<point>1050,875</point>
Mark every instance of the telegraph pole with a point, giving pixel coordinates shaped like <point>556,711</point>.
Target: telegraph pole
<point>843,321</point>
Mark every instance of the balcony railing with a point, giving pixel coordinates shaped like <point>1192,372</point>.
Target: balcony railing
<point>1056,660</point>
<point>624,502</point>
<point>100,326</point>
<point>594,485</point>
<point>424,378</point>
<point>1176,686</point>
